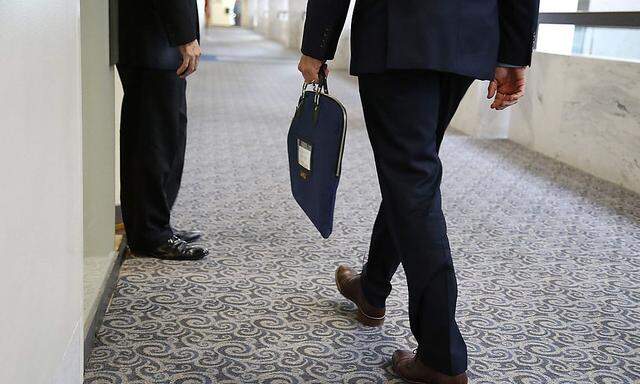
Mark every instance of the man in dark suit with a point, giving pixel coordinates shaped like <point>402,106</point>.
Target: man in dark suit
<point>415,60</point>
<point>158,49</point>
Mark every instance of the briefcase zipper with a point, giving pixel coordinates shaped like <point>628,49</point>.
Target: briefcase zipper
<point>344,133</point>
<point>344,137</point>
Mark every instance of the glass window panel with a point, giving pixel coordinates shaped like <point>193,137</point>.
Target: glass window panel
<point>613,43</point>
<point>556,38</point>
<point>617,43</point>
<point>589,5</point>
<point>613,5</point>
<point>558,5</point>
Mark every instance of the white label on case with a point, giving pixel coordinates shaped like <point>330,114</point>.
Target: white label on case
<point>304,155</point>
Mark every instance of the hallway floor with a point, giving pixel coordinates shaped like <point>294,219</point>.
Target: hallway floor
<point>548,258</point>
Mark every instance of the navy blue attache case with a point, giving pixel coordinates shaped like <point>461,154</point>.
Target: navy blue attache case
<point>316,145</point>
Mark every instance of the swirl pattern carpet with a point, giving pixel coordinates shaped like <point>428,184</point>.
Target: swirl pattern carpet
<point>548,258</point>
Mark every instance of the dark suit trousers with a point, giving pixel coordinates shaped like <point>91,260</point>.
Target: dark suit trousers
<point>406,113</point>
<point>153,130</point>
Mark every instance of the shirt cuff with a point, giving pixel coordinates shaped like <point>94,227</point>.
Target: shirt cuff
<point>504,65</point>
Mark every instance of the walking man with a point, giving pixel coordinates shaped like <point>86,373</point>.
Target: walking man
<point>159,48</point>
<point>415,60</point>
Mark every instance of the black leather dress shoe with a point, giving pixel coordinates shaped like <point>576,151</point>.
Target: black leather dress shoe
<point>188,236</point>
<point>175,249</point>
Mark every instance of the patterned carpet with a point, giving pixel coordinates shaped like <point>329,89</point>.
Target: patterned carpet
<point>548,258</point>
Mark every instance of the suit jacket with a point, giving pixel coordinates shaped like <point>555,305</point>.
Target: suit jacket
<point>151,30</point>
<point>467,37</point>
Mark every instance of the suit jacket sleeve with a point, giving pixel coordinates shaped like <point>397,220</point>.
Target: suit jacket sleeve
<point>178,19</point>
<point>518,26</point>
<point>322,27</point>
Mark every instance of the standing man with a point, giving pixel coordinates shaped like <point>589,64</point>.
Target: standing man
<point>415,60</point>
<point>159,48</point>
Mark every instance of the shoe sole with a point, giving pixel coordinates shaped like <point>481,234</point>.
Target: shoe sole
<point>394,364</point>
<point>411,381</point>
<point>170,258</point>
<point>362,317</point>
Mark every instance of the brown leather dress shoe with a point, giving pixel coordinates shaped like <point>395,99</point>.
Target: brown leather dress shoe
<point>412,370</point>
<point>348,282</point>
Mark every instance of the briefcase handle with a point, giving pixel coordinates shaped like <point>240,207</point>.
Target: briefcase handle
<point>318,88</point>
<point>323,78</point>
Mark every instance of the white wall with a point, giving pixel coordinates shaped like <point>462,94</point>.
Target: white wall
<point>613,5</point>
<point>262,17</point>
<point>279,21</point>
<point>202,15</point>
<point>297,10</point>
<point>218,15</point>
<point>249,13</point>
<point>477,119</point>
<point>41,193</point>
<point>582,111</point>
<point>98,120</point>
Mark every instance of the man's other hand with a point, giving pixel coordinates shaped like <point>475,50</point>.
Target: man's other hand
<point>507,87</point>
<point>310,68</point>
<point>190,58</point>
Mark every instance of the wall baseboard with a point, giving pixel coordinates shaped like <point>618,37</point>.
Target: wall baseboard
<point>105,299</point>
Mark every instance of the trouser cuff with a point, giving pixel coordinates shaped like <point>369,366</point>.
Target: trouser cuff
<point>373,298</point>
<point>450,368</point>
<point>151,243</point>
